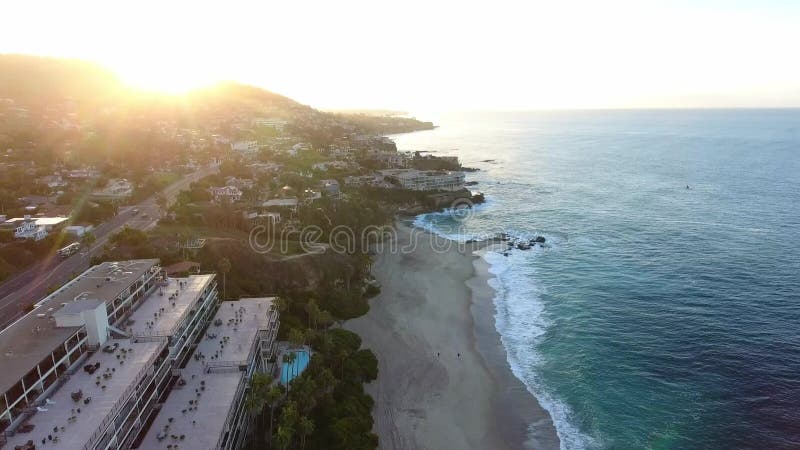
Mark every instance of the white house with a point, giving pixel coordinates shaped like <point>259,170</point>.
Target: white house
<point>33,228</point>
<point>228,194</point>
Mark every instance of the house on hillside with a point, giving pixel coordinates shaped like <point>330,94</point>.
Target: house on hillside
<point>226,194</point>
<point>33,228</point>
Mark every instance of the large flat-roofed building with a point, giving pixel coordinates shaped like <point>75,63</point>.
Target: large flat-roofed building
<point>129,327</point>
<point>35,351</point>
<point>205,409</point>
<point>424,180</point>
<point>124,357</point>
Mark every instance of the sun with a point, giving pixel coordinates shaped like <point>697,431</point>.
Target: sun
<point>171,80</point>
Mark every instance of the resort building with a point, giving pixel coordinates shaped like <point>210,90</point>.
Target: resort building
<point>418,180</point>
<point>206,409</point>
<point>44,349</point>
<point>103,361</point>
<point>363,180</point>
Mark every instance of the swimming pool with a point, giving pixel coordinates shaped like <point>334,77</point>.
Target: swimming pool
<point>289,371</point>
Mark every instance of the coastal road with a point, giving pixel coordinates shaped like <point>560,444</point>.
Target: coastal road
<point>30,286</point>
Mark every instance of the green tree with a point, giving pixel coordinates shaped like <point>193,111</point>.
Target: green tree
<point>296,337</point>
<point>284,437</point>
<point>88,239</point>
<point>306,427</point>
<point>312,311</point>
<point>325,319</point>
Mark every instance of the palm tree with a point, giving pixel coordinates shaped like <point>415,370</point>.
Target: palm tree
<point>224,266</point>
<point>291,358</point>
<point>312,310</point>
<point>296,337</point>
<point>342,355</point>
<point>282,304</point>
<point>325,319</point>
<point>272,398</point>
<point>284,437</point>
<point>326,380</point>
<point>306,427</point>
<point>257,395</point>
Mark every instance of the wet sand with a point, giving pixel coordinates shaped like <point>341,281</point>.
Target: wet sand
<point>444,380</point>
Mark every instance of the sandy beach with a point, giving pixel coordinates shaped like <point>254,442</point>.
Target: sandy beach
<point>444,380</point>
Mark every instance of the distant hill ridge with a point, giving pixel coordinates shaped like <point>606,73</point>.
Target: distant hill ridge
<point>45,84</point>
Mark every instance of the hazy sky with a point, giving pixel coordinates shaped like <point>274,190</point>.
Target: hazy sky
<point>438,55</point>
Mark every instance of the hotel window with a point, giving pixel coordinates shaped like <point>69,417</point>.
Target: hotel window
<point>59,352</point>
<point>31,378</point>
<point>46,364</point>
<point>50,379</point>
<point>62,368</point>
<point>15,392</point>
<point>72,342</point>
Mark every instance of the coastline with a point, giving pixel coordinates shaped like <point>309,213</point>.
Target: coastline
<point>444,380</point>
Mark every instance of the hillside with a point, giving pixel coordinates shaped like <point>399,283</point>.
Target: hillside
<point>88,92</point>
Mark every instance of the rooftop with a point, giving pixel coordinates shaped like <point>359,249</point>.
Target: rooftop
<point>167,306</point>
<point>281,202</point>
<point>122,371</point>
<point>199,409</point>
<point>40,221</point>
<point>29,340</point>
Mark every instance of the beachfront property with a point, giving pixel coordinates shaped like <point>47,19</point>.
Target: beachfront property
<point>122,347</point>
<point>43,351</point>
<point>429,180</point>
<point>206,409</point>
<point>363,180</point>
<point>33,228</point>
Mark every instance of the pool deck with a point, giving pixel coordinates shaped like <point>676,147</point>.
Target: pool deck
<point>298,364</point>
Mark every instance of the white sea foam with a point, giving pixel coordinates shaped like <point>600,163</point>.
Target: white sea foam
<point>521,322</point>
<point>520,318</point>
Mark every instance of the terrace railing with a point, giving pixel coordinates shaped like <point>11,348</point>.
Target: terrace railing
<point>101,429</point>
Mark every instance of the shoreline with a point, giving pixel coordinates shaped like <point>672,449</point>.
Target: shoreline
<point>444,379</point>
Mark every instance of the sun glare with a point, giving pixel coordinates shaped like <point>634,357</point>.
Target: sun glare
<point>165,82</point>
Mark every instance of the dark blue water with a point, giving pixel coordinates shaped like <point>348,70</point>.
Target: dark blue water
<point>656,316</point>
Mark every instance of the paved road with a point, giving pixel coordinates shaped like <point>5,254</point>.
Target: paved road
<point>28,287</point>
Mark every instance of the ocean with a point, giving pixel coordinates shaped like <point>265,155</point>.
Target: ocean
<point>664,309</point>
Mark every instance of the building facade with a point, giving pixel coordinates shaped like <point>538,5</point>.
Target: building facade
<point>418,180</point>
<point>100,363</point>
